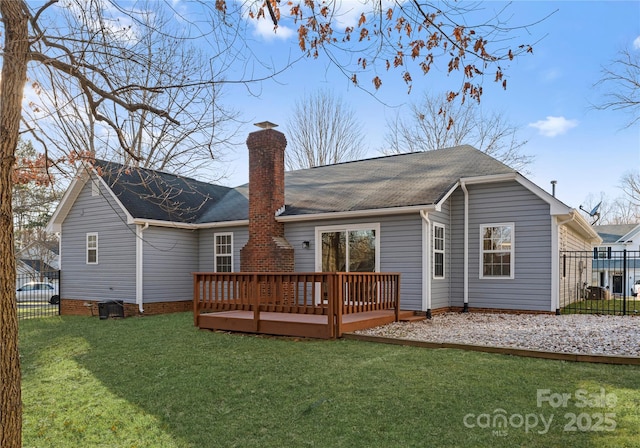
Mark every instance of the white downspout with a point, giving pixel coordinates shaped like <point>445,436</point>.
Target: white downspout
<point>555,262</point>
<point>140,265</point>
<point>426,265</point>
<point>466,247</point>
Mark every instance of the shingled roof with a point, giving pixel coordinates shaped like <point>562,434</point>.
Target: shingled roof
<point>612,233</point>
<point>150,194</point>
<point>420,178</point>
<point>402,180</point>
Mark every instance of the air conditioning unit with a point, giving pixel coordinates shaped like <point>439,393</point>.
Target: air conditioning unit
<point>110,308</point>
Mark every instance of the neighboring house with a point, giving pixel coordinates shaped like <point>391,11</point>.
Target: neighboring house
<point>608,263</point>
<point>38,261</point>
<point>463,229</point>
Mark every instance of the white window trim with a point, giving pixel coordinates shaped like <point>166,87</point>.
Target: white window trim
<point>91,248</point>
<point>346,228</point>
<point>443,252</point>
<point>512,251</point>
<point>215,250</point>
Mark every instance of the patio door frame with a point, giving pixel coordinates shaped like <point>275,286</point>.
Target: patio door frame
<point>346,228</point>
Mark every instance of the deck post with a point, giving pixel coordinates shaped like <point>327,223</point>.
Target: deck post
<point>254,289</point>
<point>338,300</point>
<point>396,291</point>
<point>196,299</point>
<point>330,285</point>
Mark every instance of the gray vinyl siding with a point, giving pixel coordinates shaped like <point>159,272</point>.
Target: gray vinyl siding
<point>206,246</point>
<point>400,250</point>
<point>169,257</point>
<point>571,240</point>
<point>504,202</point>
<point>114,275</point>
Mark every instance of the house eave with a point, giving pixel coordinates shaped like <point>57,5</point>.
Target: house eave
<point>575,220</point>
<point>186,225</point>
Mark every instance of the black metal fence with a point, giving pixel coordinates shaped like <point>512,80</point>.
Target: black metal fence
<point>601,281</point>
<point>38,294</point>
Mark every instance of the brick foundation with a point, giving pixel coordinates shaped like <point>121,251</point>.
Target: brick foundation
<point>72,307</point>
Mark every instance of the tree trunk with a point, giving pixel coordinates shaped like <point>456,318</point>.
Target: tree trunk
<point>14,76</point>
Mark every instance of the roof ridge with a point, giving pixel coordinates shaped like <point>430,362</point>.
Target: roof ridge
<point>389,156</point>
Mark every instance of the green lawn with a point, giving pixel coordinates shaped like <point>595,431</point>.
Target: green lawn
<point>160,382</point>
<point>611,306</point>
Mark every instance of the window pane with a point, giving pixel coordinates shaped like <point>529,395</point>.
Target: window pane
<point>223,264</point>
<point>334,252</point>
<point>92,256</point>
<point>438,238</point>
<point>223,252</point>
<point>438,264</point>
<point>362,251</point>
<point>438,251</point>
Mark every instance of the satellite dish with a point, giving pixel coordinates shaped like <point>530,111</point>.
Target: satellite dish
<point>594,212</point>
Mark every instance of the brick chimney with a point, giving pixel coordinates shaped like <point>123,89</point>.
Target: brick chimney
<point>267,249</point>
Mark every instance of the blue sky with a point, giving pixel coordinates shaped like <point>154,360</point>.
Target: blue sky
<point>549,94</point>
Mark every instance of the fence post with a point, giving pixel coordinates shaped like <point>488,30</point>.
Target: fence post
<point>59,292</point>
<point>624,282</point>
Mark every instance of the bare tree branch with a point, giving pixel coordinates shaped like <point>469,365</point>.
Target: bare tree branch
<point>621,81</point>
<point>436,123</point>
<point>323,130</point>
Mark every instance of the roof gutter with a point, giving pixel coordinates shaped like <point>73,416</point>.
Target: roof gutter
<point>426,266</point>
<point>489,179</point>
<point>358,213</point>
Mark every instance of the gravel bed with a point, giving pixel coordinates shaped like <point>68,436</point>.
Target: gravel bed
<point>581,334</point>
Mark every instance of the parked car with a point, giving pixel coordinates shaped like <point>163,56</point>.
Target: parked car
<point>635,289</point>
<point>38,292</point>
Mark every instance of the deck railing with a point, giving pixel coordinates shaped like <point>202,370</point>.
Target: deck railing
<point>328,293</point>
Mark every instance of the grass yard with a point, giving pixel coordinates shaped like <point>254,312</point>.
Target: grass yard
<point>159,382</point>
<point>611,306</point>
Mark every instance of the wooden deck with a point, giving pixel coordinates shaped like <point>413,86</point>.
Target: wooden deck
<point>317,305</point>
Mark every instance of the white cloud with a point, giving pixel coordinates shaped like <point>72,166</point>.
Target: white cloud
<point>263,27</point>
<point>636,43</point>
<point>553,126</point>
<point>344,13</point>
<point>551,74</point>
